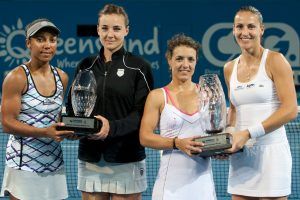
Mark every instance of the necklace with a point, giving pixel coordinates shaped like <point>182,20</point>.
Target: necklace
<point>248,74</point>
<point>248,68</point>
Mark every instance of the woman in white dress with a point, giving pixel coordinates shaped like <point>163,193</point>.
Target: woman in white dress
<point>262,100</point>
<point>174,109</point>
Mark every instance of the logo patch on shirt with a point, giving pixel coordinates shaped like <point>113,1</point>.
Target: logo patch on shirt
<point>48,102</point>
<point>141,171</point>
<point>120,72</point>
<point>239,87</point>
<point>250,85</point>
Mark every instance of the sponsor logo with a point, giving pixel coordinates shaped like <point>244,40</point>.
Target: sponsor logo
<point>14,52</point>
<point>221,47</point>
<point>120,72</point>
<point>141,171</point>
<point>250,85</point>
<point>10,39</point>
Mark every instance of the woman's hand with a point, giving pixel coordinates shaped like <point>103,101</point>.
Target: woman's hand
<point>239,139</point>
<point>103,133</point>
<point>189,145</point>
<point>58,135</point>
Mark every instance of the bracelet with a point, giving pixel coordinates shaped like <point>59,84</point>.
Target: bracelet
<point>174,143</point>
<point>256,130</point>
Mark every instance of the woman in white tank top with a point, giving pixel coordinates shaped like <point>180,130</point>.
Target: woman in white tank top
<point>174,109</point>
<point>262,99</point>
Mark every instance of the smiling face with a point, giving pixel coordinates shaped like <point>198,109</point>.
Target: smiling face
<point>247,30</point>
<point>183,63</point>
<point>112,30</point>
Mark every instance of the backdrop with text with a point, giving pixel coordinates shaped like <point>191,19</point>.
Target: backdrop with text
<point>152,23</point>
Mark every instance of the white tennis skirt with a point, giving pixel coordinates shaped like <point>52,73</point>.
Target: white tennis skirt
<point>27,185</point>
<point>261,171</point>
<point>117,178</point>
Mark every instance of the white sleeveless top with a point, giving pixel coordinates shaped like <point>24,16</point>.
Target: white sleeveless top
<point>266,159</point>
<point>255,101</point>
<point>42,154</point>
<point>180,176</point>
<point>173,121</point>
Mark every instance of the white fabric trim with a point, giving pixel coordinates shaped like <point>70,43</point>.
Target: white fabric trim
<point>256,130</point>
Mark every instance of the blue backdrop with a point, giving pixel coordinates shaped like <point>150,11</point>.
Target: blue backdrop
<point>152,23</point>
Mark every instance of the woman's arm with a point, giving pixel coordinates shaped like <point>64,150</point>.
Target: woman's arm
<point>14,85</point>
<point>64,78</point>
<point>280,71</point>
<point>150,119</point>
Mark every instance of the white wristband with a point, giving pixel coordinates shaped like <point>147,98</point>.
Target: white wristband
<point>256,130</point>
<point>229,129</point>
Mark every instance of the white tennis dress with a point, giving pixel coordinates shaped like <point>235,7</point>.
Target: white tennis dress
<point>264,168</point>
<point>180,176</point>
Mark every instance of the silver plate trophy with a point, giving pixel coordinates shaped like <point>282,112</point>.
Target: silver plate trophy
<point>83,99</point>
<point>212,108</point>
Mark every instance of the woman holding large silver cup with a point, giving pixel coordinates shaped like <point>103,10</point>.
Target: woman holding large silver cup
<point>262,99</point>
<point>112,162</point>
<point>174,108</point>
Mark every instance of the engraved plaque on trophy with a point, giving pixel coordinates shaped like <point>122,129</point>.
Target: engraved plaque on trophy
<point>83,99</point>
<point>212,108</point>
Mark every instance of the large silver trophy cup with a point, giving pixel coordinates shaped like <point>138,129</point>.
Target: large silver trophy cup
<point>83,99</point>
<point>212,108</point>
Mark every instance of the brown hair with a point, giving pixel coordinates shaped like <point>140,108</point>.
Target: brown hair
<point>251,9</point>
<point>114,9</point>
<point>181,40</point>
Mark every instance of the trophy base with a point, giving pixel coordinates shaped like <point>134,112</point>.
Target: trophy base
<point>214,144</point>
<point>82,126</point>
